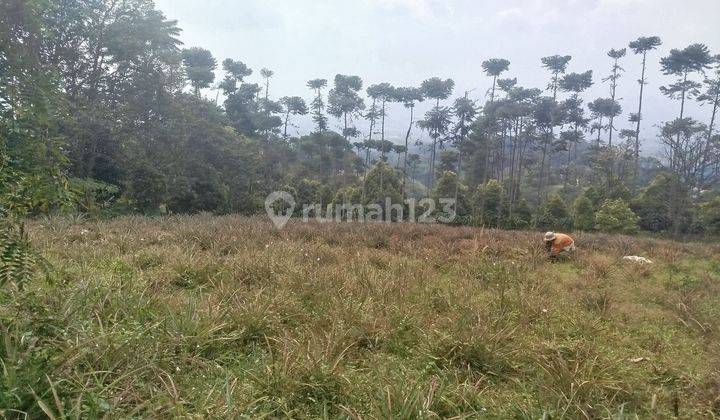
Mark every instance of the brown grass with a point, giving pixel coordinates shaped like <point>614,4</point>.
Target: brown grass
<point>230,317</point>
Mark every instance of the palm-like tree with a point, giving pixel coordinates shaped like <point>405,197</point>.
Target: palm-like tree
<point>317,105</point>
<point>494,67</point>
<point>575,83</point>
<point>682,63</point>
<point>437,120</point>
<point>294,105</point>
<point>616,55</point>
<point>408,96</point>
<point>437,123</point>
<point>642,45</point>
<point>465,111</point>
<point>344,101</point>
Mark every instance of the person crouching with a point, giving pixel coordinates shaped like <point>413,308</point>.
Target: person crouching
<point>558,243</point>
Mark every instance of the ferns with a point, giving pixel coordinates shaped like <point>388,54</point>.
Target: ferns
<point>18,260</point>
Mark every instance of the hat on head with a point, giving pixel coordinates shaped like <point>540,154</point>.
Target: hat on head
<point>550,236</point>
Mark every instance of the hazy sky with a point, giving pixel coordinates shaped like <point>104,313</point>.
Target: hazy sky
<point>406,41</point>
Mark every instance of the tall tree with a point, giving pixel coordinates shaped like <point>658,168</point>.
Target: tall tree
<point>409,97</point>
<point>384,93</point>
<point>642,45</point>
<point>294,105</point>
<point>613,78</point>
<point>318,105</point>
<point>681,64</point>
<point>556,65</point>
<point>344,102</point>
<point>574,83</point>
<point>465,111</point>
<point>200,66</point>
<point>236,72</point>
<point>711,96</point>
<point>267,75</point>
<point>494,67</point>
<point>437,120</point>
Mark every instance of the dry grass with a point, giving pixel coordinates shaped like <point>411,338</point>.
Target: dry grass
<point>227,317</point>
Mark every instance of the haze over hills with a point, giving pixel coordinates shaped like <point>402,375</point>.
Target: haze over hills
<point>404,42</point>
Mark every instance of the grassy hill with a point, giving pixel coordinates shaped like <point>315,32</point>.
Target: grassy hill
<point>226,316</point>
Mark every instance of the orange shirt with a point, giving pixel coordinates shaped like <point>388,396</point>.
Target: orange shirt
<point>561,243</point>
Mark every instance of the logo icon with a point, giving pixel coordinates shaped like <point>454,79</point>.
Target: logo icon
<point>279,206</point>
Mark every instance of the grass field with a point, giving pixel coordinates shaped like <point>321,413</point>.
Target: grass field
<point>222,317</point>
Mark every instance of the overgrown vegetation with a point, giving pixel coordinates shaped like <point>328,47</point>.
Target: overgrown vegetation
<point>228,317</point>
<point>103,99</point>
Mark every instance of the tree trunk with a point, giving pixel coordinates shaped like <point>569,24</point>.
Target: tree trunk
<point>382,147</point>
<point>639,118</point>
<point>287,116</point>
<point>407,138</point>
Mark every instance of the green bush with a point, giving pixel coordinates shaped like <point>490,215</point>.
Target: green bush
<point>584,213</point>
<point>554,215</point>
<point>710,215</point>
<point>615,216</point>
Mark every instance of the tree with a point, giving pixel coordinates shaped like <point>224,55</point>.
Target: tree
<point>711,96</point>
<point>584,213</point>
<point>681,64</point>
<point>489,203</point>
<point>556,65</point>
<point>437,123</point>
<point>383,92</point>
<point>494,67</point>
<point>710,215</point>
<point>576,83</point>
<point>408,96</point>
<point>294,105</point>
<point>267,75</point>
<point>465,111</point>
<point>615,216</point>
<point>317,105</point>
<point>642,45</point>
<point>603,108</point>
<point>199,67</point>
<point>554,215</point>
<point>437,120</point>
<point>692,156</point>
<point>616,55</point>
<point>662,205</point>
<point>344,102</point>
<point>235,71</point>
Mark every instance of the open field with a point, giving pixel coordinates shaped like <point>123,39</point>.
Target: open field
<point>227,317</point>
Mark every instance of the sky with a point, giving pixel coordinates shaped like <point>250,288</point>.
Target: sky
<point>404,42</point>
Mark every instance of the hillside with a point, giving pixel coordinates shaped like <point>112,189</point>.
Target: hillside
<point>226,317</point>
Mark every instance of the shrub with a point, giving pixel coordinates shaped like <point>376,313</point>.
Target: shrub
<point>446,185</point>
<point>489,202</point>
<point>615,216</point>
<point>710,215</point>
<point>554,215</point>
<point>584,213</point>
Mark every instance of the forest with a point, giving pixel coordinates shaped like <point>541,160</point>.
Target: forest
<point>105,112</point>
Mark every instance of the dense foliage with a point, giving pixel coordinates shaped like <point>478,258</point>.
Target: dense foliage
<point>104,111</point>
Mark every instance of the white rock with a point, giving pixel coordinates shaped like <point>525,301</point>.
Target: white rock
<point>635,258</point>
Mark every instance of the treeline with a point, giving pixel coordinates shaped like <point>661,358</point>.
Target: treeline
<point>103,111</point>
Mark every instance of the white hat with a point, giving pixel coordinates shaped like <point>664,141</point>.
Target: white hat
<point>550,236</point>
